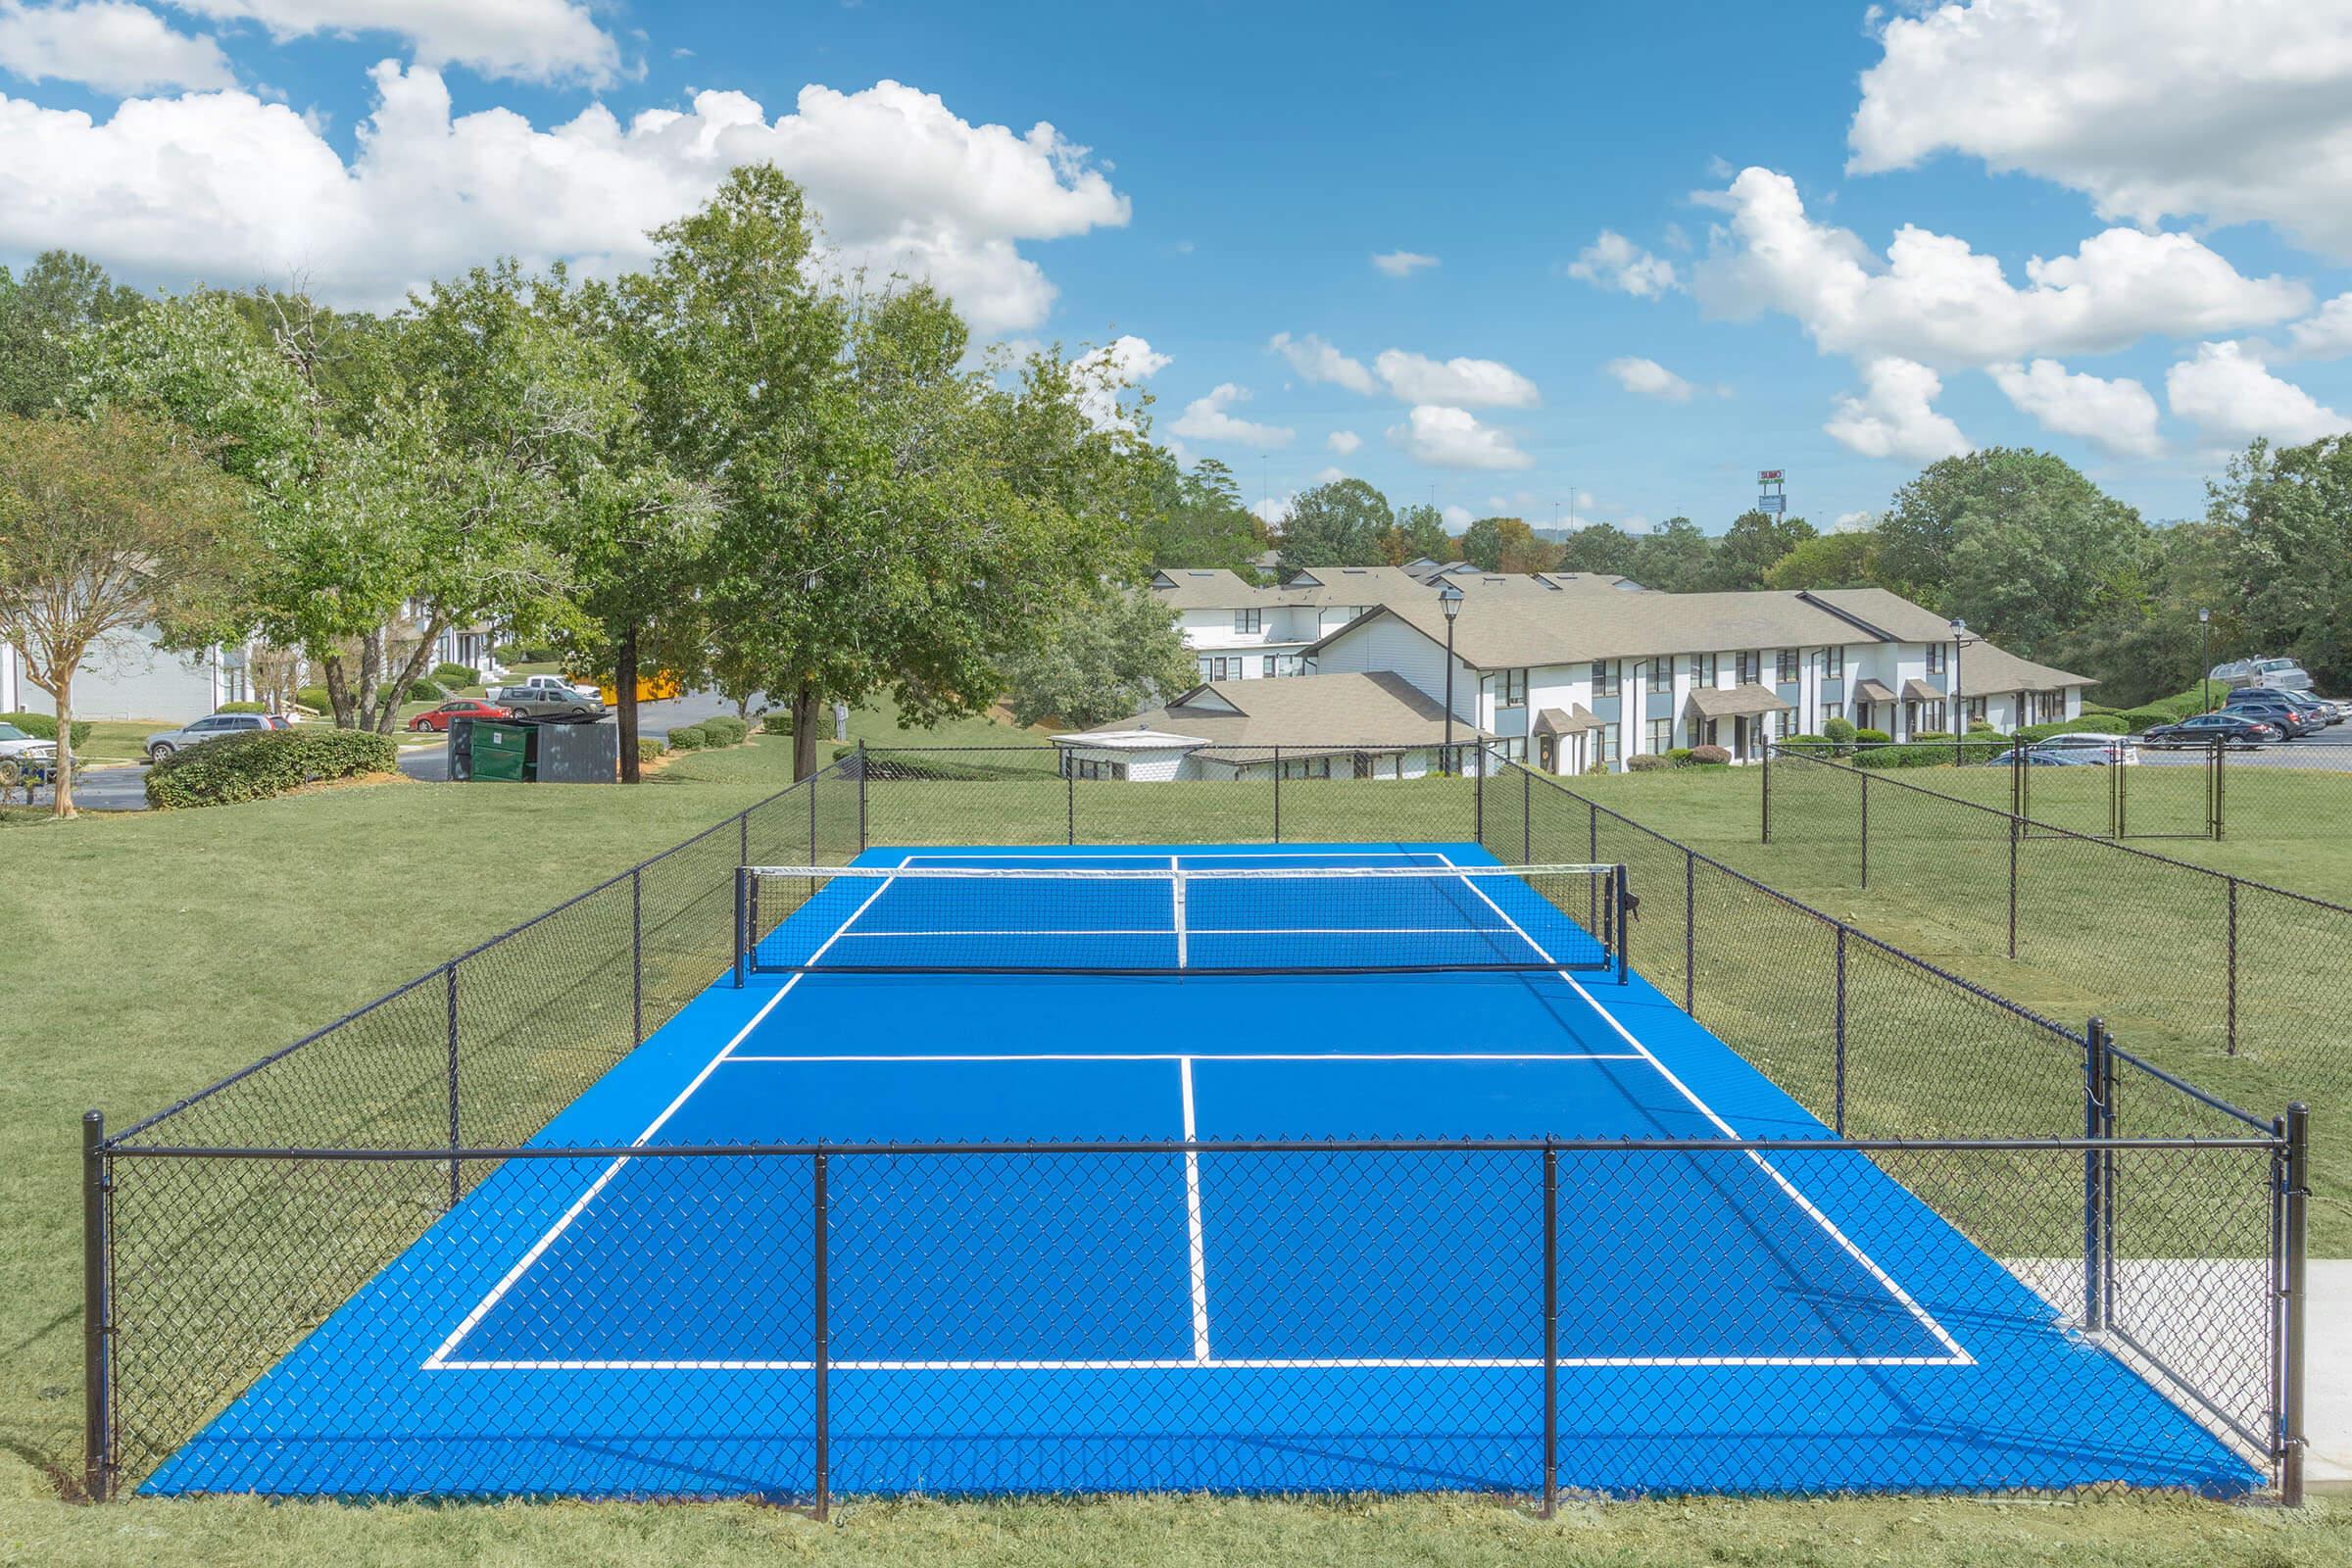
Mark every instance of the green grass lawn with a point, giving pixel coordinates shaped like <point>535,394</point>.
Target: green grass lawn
<point>149,954</point>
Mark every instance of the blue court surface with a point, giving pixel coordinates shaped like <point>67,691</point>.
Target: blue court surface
<point>1223,1319</point>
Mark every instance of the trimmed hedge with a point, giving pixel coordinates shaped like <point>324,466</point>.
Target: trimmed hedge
<point>1709,756</point>
<point>455,674</point>
<point>258,765</point>
<point>688,738</point>
<point>242,708</point>
<point>1646,763</point>
<point>1838,730</point>
<point>43,726</point>
<point>649,748</point>
<point>315,698</point>
<point>726,730</point>
<point>1871,737</point>
<point>778,722</point>
<point>425,690</point>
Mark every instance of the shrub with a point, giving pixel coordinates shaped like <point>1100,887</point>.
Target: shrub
<point>688,738</point>
<point>43,726</point>
<point>1838,730</point>
<point>242,708</point>
<point>649,748</point>
<point>1982,726</point>
<point>255,765</point>
<point>1814,742</point>
<point>454,674</point>
<point>1679,757</point>
<point>1646,763</point>
<point>1709,756</point>
<point>725,730</point>
<point>314,698</point>
<point>1932,735</point>
<point>1871,737</point>
<point>2140,718</point>
<point>425,690</point>
<point>523,654</point>
<point>777,723</point>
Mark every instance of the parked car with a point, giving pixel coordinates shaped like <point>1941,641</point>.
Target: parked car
<point>23,756</point>
<point>2331,713</point>
<point>2038,756</point>
<point>438,718</point>
<point>2091,747</point>
<point>210,728</point>
<point>2276,711</point>
<point>2277,674</point>
<point>560,687</point>
<point>2209,729</point>
<point>539,705</point>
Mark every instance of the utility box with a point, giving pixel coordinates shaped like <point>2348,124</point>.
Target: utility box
<point>577,753</point>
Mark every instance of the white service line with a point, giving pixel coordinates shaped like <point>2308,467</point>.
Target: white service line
<point>1235,1056</point>
<point>1959,1356</point>
<point>1195,1233</point>
<point>1198,1364</point>
<point>439,1358</point>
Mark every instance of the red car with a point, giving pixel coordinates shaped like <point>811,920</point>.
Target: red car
<point>438,719</point>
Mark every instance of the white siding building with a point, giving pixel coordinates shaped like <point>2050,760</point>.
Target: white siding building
<point>1350,725</point>
<point>133,676</point>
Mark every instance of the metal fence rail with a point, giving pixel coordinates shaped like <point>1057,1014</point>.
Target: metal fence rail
<point>224,1230</point>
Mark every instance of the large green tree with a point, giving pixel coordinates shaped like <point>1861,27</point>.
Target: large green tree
<point>2288,551</point>
<point>1848,559</point>
<point>1339,523</point>
<point>1675,558</point>
<point>1418,533</point>
<point>1507,544</point>
<point>1098,658</point>
<point>1197,519</point>
<point>1602,547</point>
<point>1750,548</point>
<point>58,297</point>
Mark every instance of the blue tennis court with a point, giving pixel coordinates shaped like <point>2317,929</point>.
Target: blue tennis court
<point>1177,1318</point>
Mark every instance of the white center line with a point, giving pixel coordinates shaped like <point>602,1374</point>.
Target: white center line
<point>1197,1236</point>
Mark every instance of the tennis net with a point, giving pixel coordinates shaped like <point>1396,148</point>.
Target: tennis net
<point>1177,919</point>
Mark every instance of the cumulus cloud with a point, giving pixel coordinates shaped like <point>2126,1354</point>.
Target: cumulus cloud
<point>1457,517</point>
<point>540,40</point>
<point>2116,414</point>
<point>1343,441</point>
<point>2231,396</point>
<point>1894,417</point>
<point>1404,264</point>
<point>110,45</point>
<point>2236,112</point>
<point>1613,261</point>
<point>2327,333</point>
<point>1458,383</point>
<point>1648,378</point>
<point>1317,360</point>
<point>1935,300</point>
<point>228,188</point>
<point>1101,374</point>
<point>1328,475</point>
<point>1208,419</point>
<point>1452,438</point>
<point>1854,522</point>
<point>1273,511</point>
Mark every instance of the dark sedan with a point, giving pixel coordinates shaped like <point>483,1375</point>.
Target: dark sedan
<point>2211,729</point>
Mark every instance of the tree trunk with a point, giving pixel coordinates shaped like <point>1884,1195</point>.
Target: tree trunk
<point>338,691</point>
<point>64,739</point>
<point>804,729</point>
<point>388,697</point>
<point>625,702</point>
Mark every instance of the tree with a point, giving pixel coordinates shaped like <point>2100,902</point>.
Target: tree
<point>1507,544</point>
<point>2287,513</point>
<point>107,525</point>
<point>1335,525</point>
<point>1600,547</point>
<point>1751,545</point>
<point>1098,660</point>
<point>1197,519</point>
<point>1826,560</point>
<point>1418,533</point>
<point>60,295</point>
<point>1675,558</point>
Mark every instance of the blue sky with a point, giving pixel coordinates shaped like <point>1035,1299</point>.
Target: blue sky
<point>1702,197</point>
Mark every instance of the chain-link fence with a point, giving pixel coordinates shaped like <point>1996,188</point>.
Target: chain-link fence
<point>1991,1254</point>
<point>2097,786</point>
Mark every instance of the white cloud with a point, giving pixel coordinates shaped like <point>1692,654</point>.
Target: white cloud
<point>1456,516</point>
<point>1273,511</point>
<point>1648,378</point>
<point>2233,110</point>
<point>2326,335</point>
<point>2116,414</point>
<point>1854,522</point>
<point>1613,261</point>
<point>231,189</point>
<point>541,40</point>
<point>1100,374</point>
<point>108,44</point>
<point>1935,300</point>
<point>1452,438</point>
<point>1318,361</point>
<point>1894,417</point>
<point>1328,475</point>
<point>1460,382</point>
<point>2228,393</point>
<point>1404,264</point>
<point>1343,441</point>
<point>1206,420</point>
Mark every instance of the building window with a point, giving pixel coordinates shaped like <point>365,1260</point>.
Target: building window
<point>1703,669</point>
<point>1863,714</point>
<point>1749,668</point>
<point>1604,677</point>
<point>2049,705</point>
<point>1833,664</point>
<point>1092,768</point>
<point>1605,739</point>
<point>1305,767</point>
<point>1245,621</point>
<point>1935,659</point>
<point>1661,674</point>
<point>1661,737</point>
<point>1268,667</point>
<point>1783,665</point>
<point>1975,707</point>
<point>1784,724</point>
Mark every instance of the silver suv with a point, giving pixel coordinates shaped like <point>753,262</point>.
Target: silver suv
<point>539,704</point>
<point>211,728</point>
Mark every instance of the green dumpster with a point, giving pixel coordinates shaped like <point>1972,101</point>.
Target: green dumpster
<point>502,752</point>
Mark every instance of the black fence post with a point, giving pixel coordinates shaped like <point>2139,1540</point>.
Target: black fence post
<point>1069,790</point>
<point>2216,812</point>
<point>2115,795</point>
<point>1691,932</point>
<point>743,837</point>
<point>1865,778</point>
<point>1767,834</point>
<point>2094,1197</point>
<point>1624,917</point>
<point>2016,827</point>
<point>1278,794</point>
<point>813,782</point>
<point>2230,1015</point>
<point>1551,1330</point>
<point>862,843</point>
<point>743,884</point>
<point>820,1350</point>
<point>97,1317</point>
<point>1478,797</point>
<point>2294,1200</point>
<point>454,1141</point>
<point>1527,816</point>
<point>637,954</point>
<point>1839,1047</point>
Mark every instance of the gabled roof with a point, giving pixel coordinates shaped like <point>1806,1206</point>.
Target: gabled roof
<point>1984,669</point>
<point>1206,588</point>
<point>1338,711</point>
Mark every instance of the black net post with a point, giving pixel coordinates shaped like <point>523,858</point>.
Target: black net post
<point>97,1322</point>
<point>1623,903</point>
<point>455,1143</point>
<point>820,1348</point>
<point>1551,1330</point>
<point>740,945</point>
<point>1839,1050</point>
<point>2294,1199</point>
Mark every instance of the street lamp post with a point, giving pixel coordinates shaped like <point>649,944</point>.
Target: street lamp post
<point>1959,713</point>
<point>1450,600</point>
<point>2205,658</point>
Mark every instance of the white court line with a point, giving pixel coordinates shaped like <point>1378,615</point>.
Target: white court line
<point>1181,930</point>
<point>1179,911</point>
<point>1204,855</point>
<point>1238,1055</point>
<point>1195,1235</point>
<point>1959,1356</point>
<point>1197,1365</point>
<point>439,1358</point>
